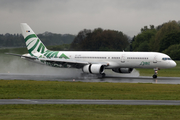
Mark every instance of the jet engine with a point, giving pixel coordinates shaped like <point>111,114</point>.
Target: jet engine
<point>93,68</point>
<point>122,70</point>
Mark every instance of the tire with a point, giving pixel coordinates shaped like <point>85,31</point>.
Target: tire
<point>103,75</point>
<point>154,76</point>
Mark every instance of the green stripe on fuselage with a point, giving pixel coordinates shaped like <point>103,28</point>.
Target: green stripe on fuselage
<point>54,54</point>
<point>49,54</point>
<point>63,56</point>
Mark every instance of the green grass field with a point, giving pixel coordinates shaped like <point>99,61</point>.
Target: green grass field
<point>88,112</point>
<point>18,89</point>
<point>14,89</point>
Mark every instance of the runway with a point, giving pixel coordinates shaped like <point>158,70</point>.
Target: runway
<point>113,79</point>
<point>99,102</point>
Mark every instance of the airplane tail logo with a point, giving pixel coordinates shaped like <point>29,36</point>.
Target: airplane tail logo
<point>33,43</point>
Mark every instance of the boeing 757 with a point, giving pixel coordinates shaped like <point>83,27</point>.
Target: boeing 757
<point>92,62</point>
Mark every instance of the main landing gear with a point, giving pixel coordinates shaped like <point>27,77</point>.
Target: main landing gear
<point>155,73</point>
<point>103,75</point>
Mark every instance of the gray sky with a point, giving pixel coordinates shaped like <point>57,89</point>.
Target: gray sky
<point>71,16</point>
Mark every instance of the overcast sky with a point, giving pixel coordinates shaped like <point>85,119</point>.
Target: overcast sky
<point>72,16</point>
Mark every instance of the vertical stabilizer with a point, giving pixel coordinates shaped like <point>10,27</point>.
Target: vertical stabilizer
<point>33,43</point>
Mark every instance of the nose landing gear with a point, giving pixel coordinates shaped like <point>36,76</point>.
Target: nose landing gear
<point>155,73</point>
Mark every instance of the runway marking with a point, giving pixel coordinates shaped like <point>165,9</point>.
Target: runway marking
<point>28,100</point>
<point>80,101</point>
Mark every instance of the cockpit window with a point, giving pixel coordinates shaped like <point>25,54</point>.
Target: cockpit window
<point>166,58</point>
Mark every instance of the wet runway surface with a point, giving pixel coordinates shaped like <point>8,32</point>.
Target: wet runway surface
<point>99,102</point>
<point>113,79</point>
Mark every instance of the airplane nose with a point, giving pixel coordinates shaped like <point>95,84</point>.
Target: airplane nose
<point>173,64</point>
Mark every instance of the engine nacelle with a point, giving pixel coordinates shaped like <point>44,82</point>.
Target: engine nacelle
<point>122,70</point>
<point>93,68</point>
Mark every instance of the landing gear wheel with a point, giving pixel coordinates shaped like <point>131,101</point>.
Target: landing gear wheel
<point>154,76</point>
<point>155,72</point>
<point>103,75</point>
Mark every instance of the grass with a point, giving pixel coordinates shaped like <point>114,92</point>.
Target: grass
<point>14,89</point>
<point>10,89</point>
<point>89,112</point>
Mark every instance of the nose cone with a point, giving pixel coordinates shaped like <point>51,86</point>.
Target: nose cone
<point>173,64</point>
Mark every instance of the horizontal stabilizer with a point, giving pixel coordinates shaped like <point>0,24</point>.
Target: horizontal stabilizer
<point>13,54</point>
<point>22,56</point>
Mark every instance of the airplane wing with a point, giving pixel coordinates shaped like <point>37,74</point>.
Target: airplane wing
<point>74,63</point>
<point>62,60</point>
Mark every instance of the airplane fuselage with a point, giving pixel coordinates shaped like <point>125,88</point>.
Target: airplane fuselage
<point>114,59</point>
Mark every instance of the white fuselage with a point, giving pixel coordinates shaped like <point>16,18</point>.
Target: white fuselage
<point>116,59</point>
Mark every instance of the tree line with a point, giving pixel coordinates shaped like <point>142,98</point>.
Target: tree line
<point>164,38</point>
<point>48,38</point>
<point>100,40</point>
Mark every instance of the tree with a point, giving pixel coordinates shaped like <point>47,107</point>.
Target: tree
<point>143,38</point>
<point>151,26</point>
<point>169,39</point>
<point>49,39</point>
<point>143,46</point>
<point>173,51</point>
<point>79,38</point>
<point>100,40</point>
<point>165,29</point>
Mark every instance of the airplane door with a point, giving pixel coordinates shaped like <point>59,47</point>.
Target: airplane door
<point>123,58</point>
<point>155,59</point>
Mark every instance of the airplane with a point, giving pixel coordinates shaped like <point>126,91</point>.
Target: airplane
<point>92,62</point>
